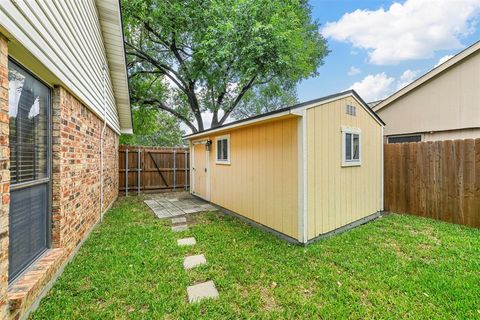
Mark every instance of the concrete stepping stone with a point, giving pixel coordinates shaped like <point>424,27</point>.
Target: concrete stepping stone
<point>179,220</point>
<point>205,290</point>
<point>179,228</point>
<point>187,241</point>
<point>194,261</point>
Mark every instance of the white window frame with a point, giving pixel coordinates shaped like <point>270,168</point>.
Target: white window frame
<point>221,161</point>
<point>351,163</point>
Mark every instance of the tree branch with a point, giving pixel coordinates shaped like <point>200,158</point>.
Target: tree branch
<point>187,87</point>
<point>143,72</point>
<point>244,90</point>
<point>160,105</point>
<point>168,71</point>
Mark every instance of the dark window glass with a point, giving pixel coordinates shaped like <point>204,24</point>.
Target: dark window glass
<point>356,147</point>
<point>404,139</point>
<point>222,149</point>
<point>348,146</point>
<point>225,150</point>
<point>219,149</point>
<point>28,110</point>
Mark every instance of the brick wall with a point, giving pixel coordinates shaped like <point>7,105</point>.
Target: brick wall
<point>76,158</point>
<point>76,166</point>
<point>4,176</point>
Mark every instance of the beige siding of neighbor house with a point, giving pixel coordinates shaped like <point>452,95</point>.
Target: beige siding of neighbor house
<point>62,43</point>
<point>452,135</point>
<point>447,102</point>
<point>340,195</point>
<point>261,181</point>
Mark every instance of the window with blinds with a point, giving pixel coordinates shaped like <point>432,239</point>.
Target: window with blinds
<point>28,111</point>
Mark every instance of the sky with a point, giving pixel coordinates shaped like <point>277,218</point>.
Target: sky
<point>377,47</point>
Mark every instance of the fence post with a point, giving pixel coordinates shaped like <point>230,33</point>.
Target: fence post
<point>174,169</point>
<point>186,171</point>
<point>138,171</point>
<point>126,173</point>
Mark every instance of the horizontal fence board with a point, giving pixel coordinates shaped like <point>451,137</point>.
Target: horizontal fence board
<point>438,179</point>
<point>159,169</point>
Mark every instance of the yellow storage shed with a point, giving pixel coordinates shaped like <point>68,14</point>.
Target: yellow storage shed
<point>302,172</point>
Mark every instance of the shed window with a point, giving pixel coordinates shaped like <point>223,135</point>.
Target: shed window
<point>351,148</point>
<point>223,149</point>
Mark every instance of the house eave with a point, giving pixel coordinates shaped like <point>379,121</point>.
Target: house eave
<point>110,18</point>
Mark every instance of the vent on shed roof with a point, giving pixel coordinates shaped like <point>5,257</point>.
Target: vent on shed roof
<point>351,110</point>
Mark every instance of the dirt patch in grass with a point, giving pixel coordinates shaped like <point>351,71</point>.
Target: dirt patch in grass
<point>268,300</point>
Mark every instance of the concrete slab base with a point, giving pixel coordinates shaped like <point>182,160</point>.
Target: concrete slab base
<point>187,242</point>
<point>205,290</point>
<point>194,261</point>
<point>176,204</point>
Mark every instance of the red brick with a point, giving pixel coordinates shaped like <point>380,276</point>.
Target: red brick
<point>75,189</point>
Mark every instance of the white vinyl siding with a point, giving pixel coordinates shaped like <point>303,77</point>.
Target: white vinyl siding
<point>66,37</point>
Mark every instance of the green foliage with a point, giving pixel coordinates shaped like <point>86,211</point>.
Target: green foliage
<point>210,54</point>
<point>265,98</point>
<point>397,267</point>
<point>153,127</point>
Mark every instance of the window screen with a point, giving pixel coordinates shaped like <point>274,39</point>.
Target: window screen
<point>352,147</point>
<point>223,149</point>
<point>28,111</point>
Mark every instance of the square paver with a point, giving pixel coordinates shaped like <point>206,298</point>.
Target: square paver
<point>179,228</point>
<point>194,261</point>
<point>205,290</point>
<point>179,220</point>
<point>187,241</point>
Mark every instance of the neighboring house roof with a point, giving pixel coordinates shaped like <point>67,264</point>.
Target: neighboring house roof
<point>372,104</point>
<point>429,75</point>
<point>110,16</point>
<point>288,110</point>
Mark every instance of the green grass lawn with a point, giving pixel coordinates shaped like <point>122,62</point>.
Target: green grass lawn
<point>395,267</point>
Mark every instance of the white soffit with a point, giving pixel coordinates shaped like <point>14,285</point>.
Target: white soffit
<point>109,13</point>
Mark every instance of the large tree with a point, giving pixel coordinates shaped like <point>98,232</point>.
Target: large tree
<point>192,56</point>
<point>153,127</point>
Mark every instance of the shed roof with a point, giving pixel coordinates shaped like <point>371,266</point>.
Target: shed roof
<point>286,111</point>
<point>474,48</point>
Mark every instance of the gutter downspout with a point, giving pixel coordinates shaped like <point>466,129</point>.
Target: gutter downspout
<point>102,138</point>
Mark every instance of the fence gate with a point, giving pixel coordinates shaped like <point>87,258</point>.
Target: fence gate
<point>151,169</point>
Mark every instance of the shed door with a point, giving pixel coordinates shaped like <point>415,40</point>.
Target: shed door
<point>29,107</point>
<point>200,170</point>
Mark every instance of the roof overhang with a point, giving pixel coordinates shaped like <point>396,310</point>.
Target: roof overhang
<point>110,17</point>
<point>295,110</point>
<point>241,124</point>
<point>429,75</point>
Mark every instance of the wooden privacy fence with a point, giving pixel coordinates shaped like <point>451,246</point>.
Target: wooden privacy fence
<point>152,169</point>
<point>439,180</point>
